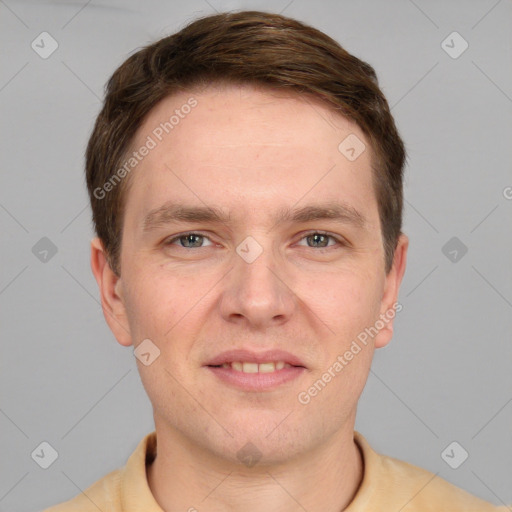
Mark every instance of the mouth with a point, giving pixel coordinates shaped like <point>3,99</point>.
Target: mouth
<point>248,367</point>
<point>253,371</point>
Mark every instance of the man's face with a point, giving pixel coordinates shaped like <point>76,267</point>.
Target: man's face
<point>305,287</point>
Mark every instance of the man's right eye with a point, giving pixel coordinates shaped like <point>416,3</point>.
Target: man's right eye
<point>188,240</point>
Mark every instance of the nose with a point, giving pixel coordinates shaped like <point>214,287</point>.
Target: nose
<point>256,292</point>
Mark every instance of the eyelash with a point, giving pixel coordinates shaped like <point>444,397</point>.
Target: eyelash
<point>340,241</point>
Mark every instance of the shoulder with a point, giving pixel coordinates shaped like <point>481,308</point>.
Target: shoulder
<point>423,490</point>
<point>397,485</point>
<point>121,488</point>
<point>103,495</point>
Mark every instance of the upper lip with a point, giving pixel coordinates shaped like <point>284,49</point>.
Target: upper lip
<point>251,356</point>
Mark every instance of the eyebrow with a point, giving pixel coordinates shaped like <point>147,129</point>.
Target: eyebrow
<point>172,212</point>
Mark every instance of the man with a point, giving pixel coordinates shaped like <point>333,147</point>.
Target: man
<point>245,177</point>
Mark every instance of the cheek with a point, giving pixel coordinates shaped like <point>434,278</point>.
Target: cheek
<point>152,304</point>
<point>165,308</point>
<point>347,300</point>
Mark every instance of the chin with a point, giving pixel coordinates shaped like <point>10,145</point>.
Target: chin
<point>260,453</point>
<point>262,437</point>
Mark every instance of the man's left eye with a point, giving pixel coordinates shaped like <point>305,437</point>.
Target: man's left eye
<point>320,240</point>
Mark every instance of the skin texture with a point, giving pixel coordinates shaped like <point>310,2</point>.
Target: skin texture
<point>250,152</point>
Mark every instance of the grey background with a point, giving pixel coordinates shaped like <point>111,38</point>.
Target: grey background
<point>446,375</point>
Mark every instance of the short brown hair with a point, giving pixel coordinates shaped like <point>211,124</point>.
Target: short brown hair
<point>248,47</point>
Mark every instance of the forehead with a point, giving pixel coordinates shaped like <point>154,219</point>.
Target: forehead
<point>228,116</point>
<point>247,146</point>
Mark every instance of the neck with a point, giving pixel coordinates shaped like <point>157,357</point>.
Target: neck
<point>183,477</point>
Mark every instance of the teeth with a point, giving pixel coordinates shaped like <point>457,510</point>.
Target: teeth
<point>237,366</point>
<point>250,367</point>
<point>255,367</point>
<point>267,367</point>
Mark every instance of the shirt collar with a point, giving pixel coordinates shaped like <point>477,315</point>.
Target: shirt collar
<point>134,488</point>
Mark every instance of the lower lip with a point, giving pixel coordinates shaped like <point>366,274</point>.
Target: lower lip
<point>257,381</point>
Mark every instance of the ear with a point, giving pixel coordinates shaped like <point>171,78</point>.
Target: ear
<point>110,286</point>
<point>389,303</point>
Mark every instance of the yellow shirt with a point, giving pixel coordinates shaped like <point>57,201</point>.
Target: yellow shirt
<point>388,485</point>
